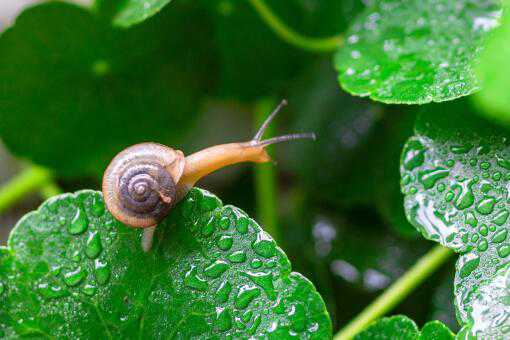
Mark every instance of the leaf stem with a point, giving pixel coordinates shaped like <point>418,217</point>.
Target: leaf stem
<point>292,37</point>
<point>425,266</point>
<point>29,180</point>
<point>265,177</point>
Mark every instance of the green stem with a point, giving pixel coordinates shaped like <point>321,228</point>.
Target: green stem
<point>30,180</point>
<point>50,189</point>
<point>396,292</point>
<point>265,177</point>
<point>292,37</point>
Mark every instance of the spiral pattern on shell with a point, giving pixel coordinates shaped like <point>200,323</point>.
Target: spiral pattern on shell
<point>138,188</point>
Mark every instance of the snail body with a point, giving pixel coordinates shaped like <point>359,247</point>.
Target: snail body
<point>144,181</point>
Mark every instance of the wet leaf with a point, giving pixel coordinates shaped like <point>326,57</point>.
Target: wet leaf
<point>135,11</point>
<point>455,174</point>
<point>212,273</point>
<point>416,52</point>
<point>494,73</point>
<point>78,91</point>
<point>401,327</point>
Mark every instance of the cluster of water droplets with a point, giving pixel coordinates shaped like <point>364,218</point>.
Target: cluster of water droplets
<point>243,274</point>
<point>457,193</point>
<point>416,52</point>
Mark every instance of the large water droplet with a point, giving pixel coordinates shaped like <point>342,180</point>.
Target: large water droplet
<point>216,269</point>
<point>223,292</point>
<point>264,245</point>
<point>242,225</point>
<point>470,263</point>
<point>486,205</point>
<point>97,206</point>
<point>192,280</point>
<point>414,154</point>
<point>78,223</point>
<point>237,256</point>
<point>501,217</point>
<point>93,247</point>
<point>51,291</point>
<point>89,289</point>
<point>246,295</point>
<point>102,272</point>
<point>465,197</point>
<point>223,319</point>
<point>264,281</point>
<point>225,242</point>
<point>74,277</point>
<point>500,236</point>
<point>482,245</point>
<point>430,177</point>
<point>504,250</point>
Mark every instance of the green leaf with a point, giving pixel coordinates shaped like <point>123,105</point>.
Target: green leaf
<point>495,74</point>
<point>490,308</point>
<point>415,51</point>
<point>135,11</point>
<point>78,91</point>
<point>455,177</point>
<point>401,327</point>
<point>71,270</point>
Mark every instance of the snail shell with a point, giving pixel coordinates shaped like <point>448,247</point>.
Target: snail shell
<point>140,184</point>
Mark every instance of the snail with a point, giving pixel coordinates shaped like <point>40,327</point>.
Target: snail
<point>144,181</point>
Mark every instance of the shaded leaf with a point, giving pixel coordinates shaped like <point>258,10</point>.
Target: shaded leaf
<point>135,11</point>
<point>401,327</point>
<point>455,174</point>
<point>78,91</point>
<point>71,270</point>
<point>495,73</point>
<point>415,52</point>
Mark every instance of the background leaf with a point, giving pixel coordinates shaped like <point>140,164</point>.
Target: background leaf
<point>455,176</point>
<point>212,273</point>
<point>72,103</point>
<point>494,73</point>
<point>415,52</point>
<point>401,327</point>
<point>136,11</point>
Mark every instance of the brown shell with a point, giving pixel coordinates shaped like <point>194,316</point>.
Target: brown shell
<point>139,185</point>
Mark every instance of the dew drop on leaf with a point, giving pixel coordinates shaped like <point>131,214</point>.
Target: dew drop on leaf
<point>93,247</point>
<point>245,296</point>
<point>216,269</point>
<point>237,256</point>
<point>223,292</point>
<point>102,272</point>
<point>78,223</point>
<point>486,205</point>
<point>264,246</point>
<point>192,280</point>
<point>75,276</point>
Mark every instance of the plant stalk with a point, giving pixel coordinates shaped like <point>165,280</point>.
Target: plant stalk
<point>265,177</point>
<point>397,292</point>
<point>329,44</point>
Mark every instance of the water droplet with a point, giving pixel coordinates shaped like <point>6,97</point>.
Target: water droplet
<point>97,206</point>
<point>102,272</point>
<point>449,196</point>
<point>216,269</point>
<point>430,177</point>
<point>223,319</point>
<point>461,148</point>
<point>414,155</point>
<point>256,323</point>
<point>264,281</point>
<point>246,295</point>
<point>223,292</point>
<point>298,317</point>
<point>224,223</point>
<point>279,306</point>
<point>264,245</point>
<point>93,247</point>
<point>74,277</point>
<point>471,219</point>
<point>450,163</point>
<point>485,187</point>
<point>474,238</point>
<point>246,316</point>
<point>89,289</point>
<point>486,205</point>
<point>192,280</point>
<point>78,223</point>
<point>484,230</point>
<point>242,225</point>
<point>471,262</point>
<point>496,176</point>
<point>209,227</point>
<point>237,256</point>
<point>504,250</point>
<point>501,217</point>
<point>256,263</point>
<point>485,165</point>
<point>225,242</point>
<point>482,245</point>
<point>492,228</point>
<point>504,163</point>
<point>51,291</point>
<point>441,187</point>
<point>500,236</point>
<point>465,197</point>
